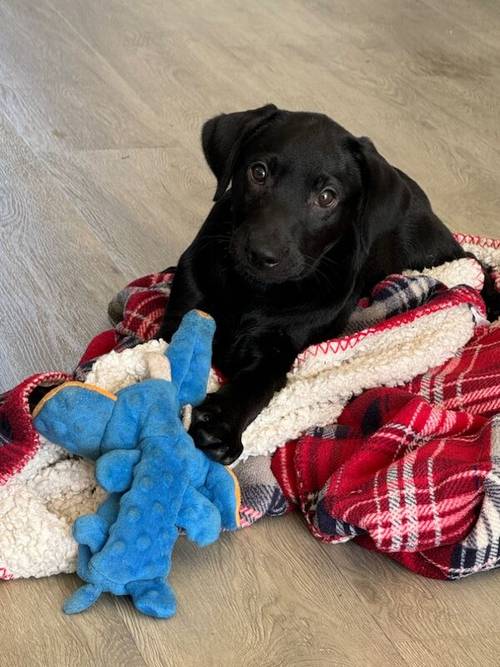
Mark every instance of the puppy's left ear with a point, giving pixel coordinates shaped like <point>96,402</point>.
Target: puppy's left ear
<point>223,136</point>
<point>386,196</point>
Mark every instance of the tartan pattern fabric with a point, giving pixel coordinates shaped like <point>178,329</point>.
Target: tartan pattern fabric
<point>413,472</point>
<point>136,312</point>
<point>394,295</point>
<point>261,494</point>
<point>137,308</point>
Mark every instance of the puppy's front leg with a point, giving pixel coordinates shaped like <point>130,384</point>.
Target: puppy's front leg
<point>218,423</point>
<point>184,296</point>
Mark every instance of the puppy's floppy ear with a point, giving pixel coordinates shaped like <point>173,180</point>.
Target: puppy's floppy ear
<point>386,196</point>
<point>222,137</point>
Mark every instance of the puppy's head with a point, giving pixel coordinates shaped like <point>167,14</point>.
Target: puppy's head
<point>300,183</point>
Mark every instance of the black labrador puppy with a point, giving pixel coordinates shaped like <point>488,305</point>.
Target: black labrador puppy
<point>313,219</point>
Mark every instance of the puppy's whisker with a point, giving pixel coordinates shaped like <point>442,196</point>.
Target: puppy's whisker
<point>319,275</point>
<point>219,239</point>
<point>330,261</point>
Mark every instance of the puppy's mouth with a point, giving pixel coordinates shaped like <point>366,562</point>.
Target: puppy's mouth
<point>269,276</point>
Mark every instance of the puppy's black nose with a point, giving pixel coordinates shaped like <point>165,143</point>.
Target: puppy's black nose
<point>263,258</point>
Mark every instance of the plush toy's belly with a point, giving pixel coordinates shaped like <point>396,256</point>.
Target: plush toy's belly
<point>141,540</point>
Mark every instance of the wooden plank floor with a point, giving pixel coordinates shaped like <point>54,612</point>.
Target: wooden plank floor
<point>102,179</point>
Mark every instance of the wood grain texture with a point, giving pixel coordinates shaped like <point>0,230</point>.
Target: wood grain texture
<point>102,179</point>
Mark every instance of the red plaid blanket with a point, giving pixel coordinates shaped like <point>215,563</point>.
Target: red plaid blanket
<point>412,472</point>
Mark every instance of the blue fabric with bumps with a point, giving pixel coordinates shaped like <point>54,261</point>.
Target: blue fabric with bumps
<point>76,417</point>
<point>188,359</point>
<point>158,482</point>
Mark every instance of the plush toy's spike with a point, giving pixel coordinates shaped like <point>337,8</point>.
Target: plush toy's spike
<point>190,355</point>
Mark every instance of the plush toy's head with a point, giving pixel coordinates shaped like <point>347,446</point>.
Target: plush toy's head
<point>76,415</point>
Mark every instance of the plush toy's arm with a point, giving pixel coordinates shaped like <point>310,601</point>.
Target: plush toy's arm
<point>190,354</point>
<point>92,530</point>
<point>216,482</point>
<point>114,470</point>
<point>75,416</point>
<point>199,518</point>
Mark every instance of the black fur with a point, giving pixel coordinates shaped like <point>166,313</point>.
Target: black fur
<point>277,270</point>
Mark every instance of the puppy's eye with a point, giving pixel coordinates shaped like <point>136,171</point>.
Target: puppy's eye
<point>326,198</point>
<point>258,172</point>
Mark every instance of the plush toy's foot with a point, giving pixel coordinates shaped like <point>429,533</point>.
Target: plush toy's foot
<point>153,597</point>
<point>81,599</point>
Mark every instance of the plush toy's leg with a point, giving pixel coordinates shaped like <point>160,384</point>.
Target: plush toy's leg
<point>153,597</point>
<point>114,470</point>
<point>82,565</point>
<point>221,487</point>
<point>92,529</point>
<point>81,599</point>
<point>199,518</point>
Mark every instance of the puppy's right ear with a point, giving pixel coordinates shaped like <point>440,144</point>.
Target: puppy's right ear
<point>386,195</point>
<point>222,137</point>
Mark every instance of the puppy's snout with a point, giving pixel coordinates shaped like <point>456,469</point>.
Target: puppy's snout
<point>264,258</point>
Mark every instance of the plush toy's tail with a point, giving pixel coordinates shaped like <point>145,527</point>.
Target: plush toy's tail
<point>82,599</point>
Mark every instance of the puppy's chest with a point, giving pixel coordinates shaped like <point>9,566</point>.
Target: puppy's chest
<point>251,327</point>
<point>253,324</point>
<point>246,335</point>
<point>235,326</point>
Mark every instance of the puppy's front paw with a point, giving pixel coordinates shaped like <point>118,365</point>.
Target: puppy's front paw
<point>214,433</point>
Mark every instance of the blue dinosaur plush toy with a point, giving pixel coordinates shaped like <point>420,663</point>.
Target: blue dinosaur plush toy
<point>157,481</point>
